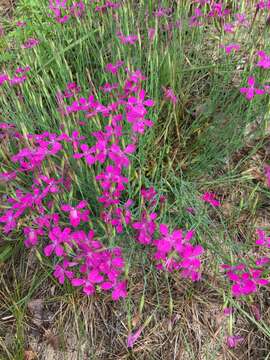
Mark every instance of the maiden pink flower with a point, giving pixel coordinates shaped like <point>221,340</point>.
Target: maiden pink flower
<point>58,238</point>
<point>129,39</point>
<point>233,341</point>
<point>119,291</point>
<point>9,219</point>
<point>262,239</point>
<point>31,236</point>
<point>229,48</point>
<point>151,34</point>
<point>61,272</point>
<point>75,215</point>
<point>21,23</point>
<point>169,95</point>
<point>211,199</point>
<point>3,78</point>
<point>251,91</point>
<point>113,68</point>
<point>30,43</point>
<point>146,228</point>
<point>245,281</point>
<point>132,338</point>
<point>264,61</point>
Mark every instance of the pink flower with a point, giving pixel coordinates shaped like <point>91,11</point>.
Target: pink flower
<point>264,61</point>
<point>211,199</point>
<point>245,281</point>
<point>229,48</point>
<point>58,238</point>
<point>61,272</point>
<point>251,91</point>
<point>262,239</point>
<point>169,95</point>
<point>229,28</point>
<point>9,218</point>
<point>107,88</point>
<point>228,311</point>
<point>3,78</point>
<point>75,215</point>
<point>174,252</point>
<point>194,20</point>
<point>136,112</point>
<point>113,68</point>
<point>30,43</point>
<point>233,341</point>
<point>146,228</point>
<point>151,34</point>
<point>129,39</point>
<point>262,261</point>
<point>132,338</point>
<point>112,177</point>
<point>77,9</point>
<point>119,291</point>
<point>31,236</point>
<point>21,23</point>
<point>267,174</point>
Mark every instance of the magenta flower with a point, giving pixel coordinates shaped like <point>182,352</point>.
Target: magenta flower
<point>9,219</point>
<point>31,236</point>
<point>58,238</point>
<point>30,43</point>
<point>169,95</point>
<point>77,9</point>
<point>228,28</point>
<point>75,215</point>
<point>129,39</point>
<point>264,61</point>
<point>262,261</point>
<point>20,76</point>
<point>119,291</point>
<point>151,34</point>
<point>190,263</point>
<point>267,174</point>
<point>3,78</point>
<point>61,272</point>
<point>149,195</point>
<point>211,199</point>
<point>88,283</point>
<point>112,177</point>
<point>59,10</point>
<point>21,23</point>
<point>228,311</point>
<point>8,176</point>
<point>107,88</point>
<point>262,239</point>
<point>194,20</point>
<point>251,91</point>
<point>119,156</point>
<point>146,228</point>
<point>229,48</point>
<point>263,4</point>
<point>233,341</point>
<point>132,338</point>
<point>136,112</point>
<point>113,68</point>
<point>245,281</point>
<point>87,153</point>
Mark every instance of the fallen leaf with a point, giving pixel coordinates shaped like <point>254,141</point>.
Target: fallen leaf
<point>52,339</point>
<point>36,309</point>
<point>30,355</point>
